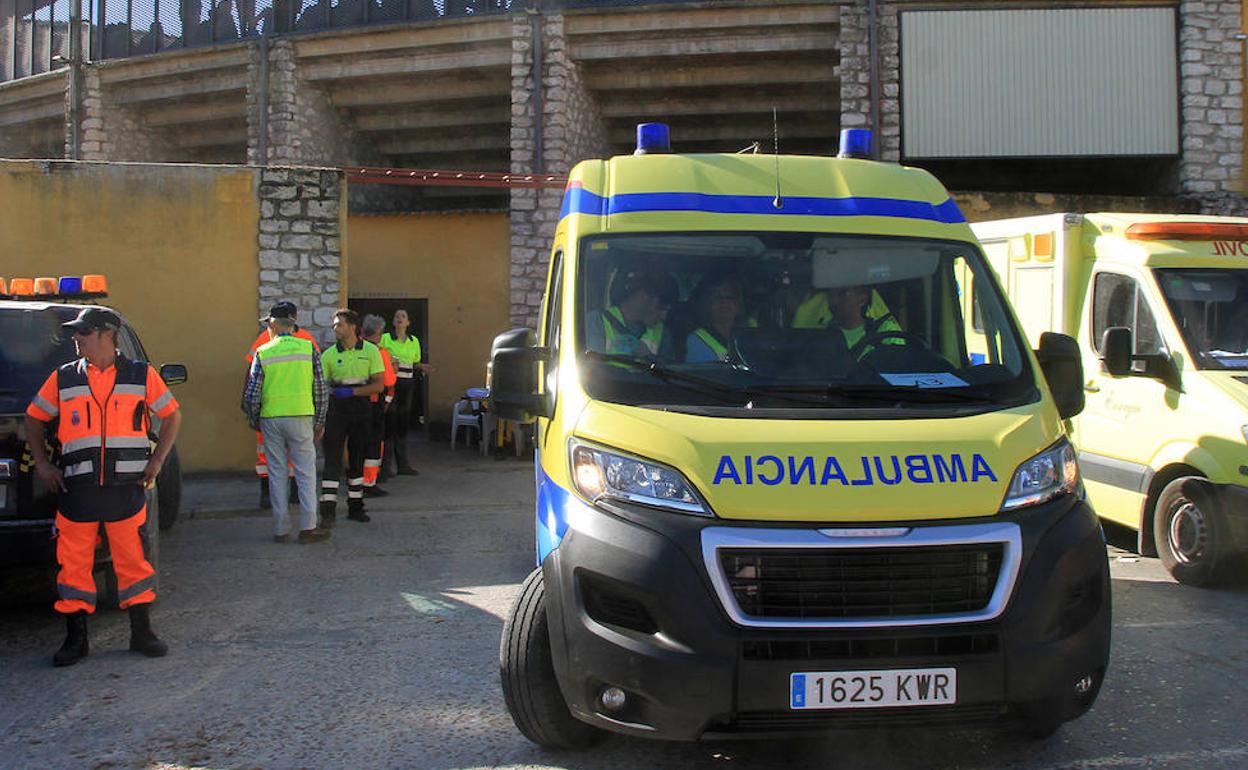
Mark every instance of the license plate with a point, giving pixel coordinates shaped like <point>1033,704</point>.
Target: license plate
<point>873,689</point>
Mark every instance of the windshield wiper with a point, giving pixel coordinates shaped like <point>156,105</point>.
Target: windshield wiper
<point>701,384</point>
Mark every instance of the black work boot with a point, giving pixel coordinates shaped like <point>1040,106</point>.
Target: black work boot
<point>265,503</point>
<point>141,637</point>
<point>328,513</point>
<point>75,647</point>
<point>375,491</point>
<point>356,513</point>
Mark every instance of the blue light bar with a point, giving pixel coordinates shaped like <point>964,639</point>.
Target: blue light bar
<point>855,143</point>
<point>69,284</point>
<point>652,138</point>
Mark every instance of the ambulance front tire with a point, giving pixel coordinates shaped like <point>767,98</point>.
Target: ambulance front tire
<point>528,675</point>
<point>1191,542</point>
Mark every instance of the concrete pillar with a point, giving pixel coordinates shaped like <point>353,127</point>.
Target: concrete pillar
<point>1211,62</point>
<point>570,129</point>
<point>855,74</point>
<point>303,216</point>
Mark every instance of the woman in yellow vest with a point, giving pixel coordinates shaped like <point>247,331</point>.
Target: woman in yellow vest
<point>405,350</point>
<point>719,303</point>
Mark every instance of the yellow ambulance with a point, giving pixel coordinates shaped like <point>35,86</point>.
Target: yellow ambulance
<point>775,494</point>
<point>1159,306</point>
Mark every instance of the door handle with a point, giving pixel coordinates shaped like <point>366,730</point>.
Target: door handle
<point>1091,386</point>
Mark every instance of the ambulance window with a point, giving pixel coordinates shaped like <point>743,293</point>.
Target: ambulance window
<point>1117,301</point>
<point>554,304</point>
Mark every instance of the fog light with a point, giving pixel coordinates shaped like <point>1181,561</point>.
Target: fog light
<point>1084,684</point>
<point>613,698</point>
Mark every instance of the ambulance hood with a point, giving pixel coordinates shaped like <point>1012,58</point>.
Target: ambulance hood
<point>833,470</point>
<point>1233,383</point>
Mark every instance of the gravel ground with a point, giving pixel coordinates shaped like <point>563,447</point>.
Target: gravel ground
<point>379,649</point>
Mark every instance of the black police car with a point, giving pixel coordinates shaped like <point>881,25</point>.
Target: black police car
<point>32,344</point>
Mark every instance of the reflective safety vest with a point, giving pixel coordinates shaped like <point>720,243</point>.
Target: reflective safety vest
<point>103,444</point>
<point>718,348</point>
<point>622,340</point>
<point>287,387</point>
<point>406,354</point>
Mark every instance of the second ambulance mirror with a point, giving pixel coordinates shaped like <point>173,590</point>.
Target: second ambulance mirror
<point>513,378</point>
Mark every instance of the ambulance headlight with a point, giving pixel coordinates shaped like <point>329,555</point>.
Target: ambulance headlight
<point>1049,474</point>
<point>603,474</point>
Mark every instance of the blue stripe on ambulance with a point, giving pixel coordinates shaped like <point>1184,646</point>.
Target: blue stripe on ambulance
<point>552,512</point>
<point>578,200</point>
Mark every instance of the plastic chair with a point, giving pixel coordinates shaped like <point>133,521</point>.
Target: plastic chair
<point>467,414</point>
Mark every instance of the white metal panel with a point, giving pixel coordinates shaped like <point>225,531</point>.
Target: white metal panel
<point>1039,83</point>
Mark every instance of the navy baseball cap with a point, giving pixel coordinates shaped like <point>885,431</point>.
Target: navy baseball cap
<point>92,318</point>
<point>283,310</point>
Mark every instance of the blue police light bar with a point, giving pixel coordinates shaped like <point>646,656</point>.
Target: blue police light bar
<point>652,138</point>
<point>855,143</point>
<point>69,284</point>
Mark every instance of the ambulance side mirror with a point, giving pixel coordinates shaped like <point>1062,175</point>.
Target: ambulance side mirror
<point>1116,345</point>
<point>1063,369</point>
<point>173,374</point>
<point>514,395</point>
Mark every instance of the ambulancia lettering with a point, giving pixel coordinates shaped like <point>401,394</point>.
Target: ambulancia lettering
<point>1230,248</point>
<point>861,471</point>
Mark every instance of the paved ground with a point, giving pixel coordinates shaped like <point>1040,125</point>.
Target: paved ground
<point>379,650</point>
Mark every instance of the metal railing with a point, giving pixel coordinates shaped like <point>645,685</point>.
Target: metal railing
<point>34,34</point>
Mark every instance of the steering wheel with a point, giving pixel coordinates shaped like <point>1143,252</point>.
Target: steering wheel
<point>874,339</point>
<point>912,355</point>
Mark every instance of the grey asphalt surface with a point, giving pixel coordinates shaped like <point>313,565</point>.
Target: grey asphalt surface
<point>379,649</point>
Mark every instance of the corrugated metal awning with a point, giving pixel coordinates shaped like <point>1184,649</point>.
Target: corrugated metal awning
<point>1039,83</point>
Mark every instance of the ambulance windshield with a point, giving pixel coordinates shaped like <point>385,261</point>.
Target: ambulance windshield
<point>795,320</point>
<point>1210,307</point>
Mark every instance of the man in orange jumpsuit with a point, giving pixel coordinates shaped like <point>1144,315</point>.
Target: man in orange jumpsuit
<point>101,404</point>
<point>373,326</point>
<point>266,336</point>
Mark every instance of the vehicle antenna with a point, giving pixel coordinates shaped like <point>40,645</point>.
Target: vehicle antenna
<point>775,138</point>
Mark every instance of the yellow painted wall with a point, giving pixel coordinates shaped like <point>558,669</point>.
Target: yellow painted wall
<point>460,263</point>
<point>178,246</point>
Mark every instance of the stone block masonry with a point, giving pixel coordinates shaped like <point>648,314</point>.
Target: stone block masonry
<point>302,217</point>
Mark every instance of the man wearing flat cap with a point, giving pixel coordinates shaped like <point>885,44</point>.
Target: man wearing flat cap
<point>102,405</point>
<point>286,399</point>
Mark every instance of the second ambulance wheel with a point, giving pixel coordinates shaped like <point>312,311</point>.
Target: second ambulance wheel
<point>1190,538</point>
<point>528,675</point>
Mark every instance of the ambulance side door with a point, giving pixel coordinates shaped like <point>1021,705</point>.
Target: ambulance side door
<point>1126,419</point>
<point>552,330</point>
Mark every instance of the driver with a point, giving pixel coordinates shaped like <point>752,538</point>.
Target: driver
<point>635,324</point>
<point>858,311</point>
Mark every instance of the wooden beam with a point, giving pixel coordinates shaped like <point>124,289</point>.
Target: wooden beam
<point>694,102</point>
<point>424,146</point>
<point>212,84</point>
<point>473,32</point>
<point>461,87</point>
<point>33,114</point>
<point>409,65</point>
<point>176,114</point>
<point>691,45</point>
<point>237,55</point>
<point>660,19</point>
<point>611,78</point>
<point>434,118</point>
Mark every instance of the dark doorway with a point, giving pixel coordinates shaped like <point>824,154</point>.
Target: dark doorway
<point>418,312</point>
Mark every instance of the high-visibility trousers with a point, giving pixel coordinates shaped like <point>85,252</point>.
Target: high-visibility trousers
<point>75,551</point>
<point>376,444</point>
<point>262,462</point>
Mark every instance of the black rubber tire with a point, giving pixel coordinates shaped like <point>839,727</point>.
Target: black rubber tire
<point>1202,564</point>
<point>528,675</point>
<point>169,487</point>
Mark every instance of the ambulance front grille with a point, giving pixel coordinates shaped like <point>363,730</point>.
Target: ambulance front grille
<point>839,583</point>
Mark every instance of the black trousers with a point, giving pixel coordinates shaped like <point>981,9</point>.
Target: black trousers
<point>398,419</point>
<point>349,425</point>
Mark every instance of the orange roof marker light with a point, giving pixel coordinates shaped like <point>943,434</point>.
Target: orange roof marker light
<point>1185,231</point>
<point>95,285</point>
<point>45,287</point>
<point>4,289</point>
<point>22,287</point>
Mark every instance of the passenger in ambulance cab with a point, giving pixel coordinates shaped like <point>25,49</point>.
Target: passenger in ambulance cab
<point>719,301</point>
<point>635,325</point>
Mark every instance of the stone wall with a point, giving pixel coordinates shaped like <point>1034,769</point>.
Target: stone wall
<point>855,74</point>
<point>112,132</point>
<point>1211,65</point>
<point>571,131</point>
<point>302,211</point>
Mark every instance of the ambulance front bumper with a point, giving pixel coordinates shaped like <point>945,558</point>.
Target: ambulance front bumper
<point>638,603</point>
